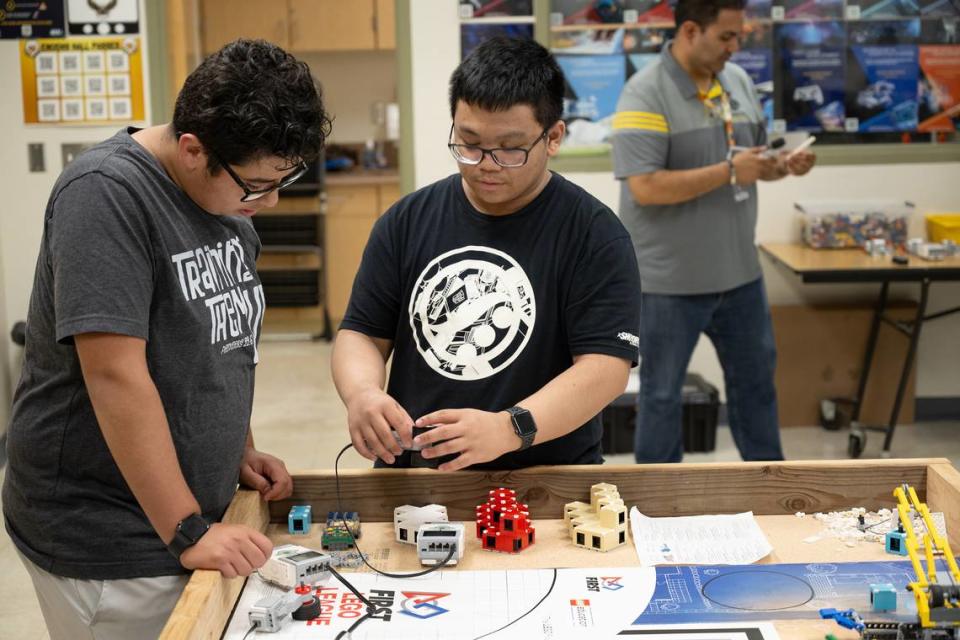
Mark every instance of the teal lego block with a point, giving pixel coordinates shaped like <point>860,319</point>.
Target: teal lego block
<point>896,542</point>
<point>883,597</point>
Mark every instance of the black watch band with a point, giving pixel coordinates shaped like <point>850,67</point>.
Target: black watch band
<point>523,425</point>
<point>189,531</point>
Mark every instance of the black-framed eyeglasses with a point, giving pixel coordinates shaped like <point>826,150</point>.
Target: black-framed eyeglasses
<point>507,157</point>
<point>255,194</point>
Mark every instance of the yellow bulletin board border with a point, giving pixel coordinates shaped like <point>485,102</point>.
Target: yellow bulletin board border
<point>31,49</point>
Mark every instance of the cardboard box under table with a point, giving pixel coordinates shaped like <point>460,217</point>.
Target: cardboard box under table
<point>773,491</point>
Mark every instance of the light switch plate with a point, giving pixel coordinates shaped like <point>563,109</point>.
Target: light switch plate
<point>70,151</point>
<point>35,157</point>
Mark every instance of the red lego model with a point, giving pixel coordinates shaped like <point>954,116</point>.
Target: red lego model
<point>503,524</point>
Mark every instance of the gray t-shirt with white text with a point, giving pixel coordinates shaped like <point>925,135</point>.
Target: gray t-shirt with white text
<point>125,251</point>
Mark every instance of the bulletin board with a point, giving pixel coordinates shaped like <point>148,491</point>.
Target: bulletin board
<point>82,81</point>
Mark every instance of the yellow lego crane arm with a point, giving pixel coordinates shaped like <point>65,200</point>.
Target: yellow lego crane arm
<point>934,545</point>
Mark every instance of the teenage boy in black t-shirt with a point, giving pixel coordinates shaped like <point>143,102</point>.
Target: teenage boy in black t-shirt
<point>508,296</point>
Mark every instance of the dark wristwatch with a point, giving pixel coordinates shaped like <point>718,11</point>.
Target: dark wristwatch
<point>189,531</point>
<point>523,425</point>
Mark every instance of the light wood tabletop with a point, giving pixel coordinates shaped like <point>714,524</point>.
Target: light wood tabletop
<point>855,265</point>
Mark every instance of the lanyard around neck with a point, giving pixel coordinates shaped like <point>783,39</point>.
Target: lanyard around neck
<point>724,112</point>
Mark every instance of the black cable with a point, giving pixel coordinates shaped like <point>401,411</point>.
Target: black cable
<point>346,632</point>
<point>436,567</point>
<point>249,631</point>
<point>371,609</point>
<point>532,609</point>
<point>346,583</point>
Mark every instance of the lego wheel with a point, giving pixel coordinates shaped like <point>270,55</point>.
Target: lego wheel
<point>856,443</point>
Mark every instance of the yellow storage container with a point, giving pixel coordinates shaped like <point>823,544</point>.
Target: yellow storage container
<point>943,226</point>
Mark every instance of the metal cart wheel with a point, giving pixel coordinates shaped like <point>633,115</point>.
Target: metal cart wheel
<point>856,442</point>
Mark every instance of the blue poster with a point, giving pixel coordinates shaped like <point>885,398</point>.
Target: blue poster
<point>594,84</point>
<point>873,9</point>
<point>883,70</point>
<point>813,57</point>
<point>755,56</point>
<point>734,593</point>
<point>888,99</point>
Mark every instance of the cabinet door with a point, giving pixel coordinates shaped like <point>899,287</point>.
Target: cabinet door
<point>389,194</point>
<point>386,24</point>
<point>331,25</point>
<point>226,20</point>
<point>351,212</point>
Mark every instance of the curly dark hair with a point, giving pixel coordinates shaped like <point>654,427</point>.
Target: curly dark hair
<point>504,72</point>
<point>252,99</point>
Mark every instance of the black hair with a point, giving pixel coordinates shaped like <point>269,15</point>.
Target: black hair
<point>504,72</point>
<point>252,99</point>
<point>704,12</point>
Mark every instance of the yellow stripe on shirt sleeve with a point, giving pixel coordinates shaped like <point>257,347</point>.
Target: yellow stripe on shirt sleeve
<point>640,120</point>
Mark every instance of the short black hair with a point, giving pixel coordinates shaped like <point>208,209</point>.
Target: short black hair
<point>504,72</point>
<point>704,12</point>
<point>252,99</point>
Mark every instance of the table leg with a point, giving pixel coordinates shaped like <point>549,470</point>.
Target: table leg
<point>871,348</point>
<point>908,363</point>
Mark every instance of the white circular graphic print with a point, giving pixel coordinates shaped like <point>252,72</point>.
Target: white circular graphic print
<point>472,311</point>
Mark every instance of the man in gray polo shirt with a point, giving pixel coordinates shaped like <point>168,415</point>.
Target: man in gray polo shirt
<point>688,146</point>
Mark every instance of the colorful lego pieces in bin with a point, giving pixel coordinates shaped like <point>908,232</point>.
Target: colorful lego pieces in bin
<point>298,520</point>
<point>503,524</point>
<point>600,525</point>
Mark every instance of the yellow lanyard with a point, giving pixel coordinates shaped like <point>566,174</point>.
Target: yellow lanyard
<point>724,112</point>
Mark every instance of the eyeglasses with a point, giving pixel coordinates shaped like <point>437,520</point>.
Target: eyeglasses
<point>509,158</point>
<point>255,194</point>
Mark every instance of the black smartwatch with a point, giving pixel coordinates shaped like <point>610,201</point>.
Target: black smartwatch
<point>523,425</point>
<point>189,531</point>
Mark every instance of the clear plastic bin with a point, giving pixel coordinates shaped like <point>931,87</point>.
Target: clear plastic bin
<point>837,224</point>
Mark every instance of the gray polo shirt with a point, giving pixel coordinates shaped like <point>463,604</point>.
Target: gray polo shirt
<point>704,245</point>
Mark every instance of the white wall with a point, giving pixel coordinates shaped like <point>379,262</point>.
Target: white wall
<point>25,197</point>
<point>5,381</point>
<point>352,81</point>
<point>932,187</point>
<point>435,53</point>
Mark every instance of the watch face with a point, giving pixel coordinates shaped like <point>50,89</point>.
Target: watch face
<point>193,527</point>
<point>524,424</point>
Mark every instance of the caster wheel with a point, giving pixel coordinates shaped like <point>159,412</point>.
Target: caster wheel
<point>856,443</point>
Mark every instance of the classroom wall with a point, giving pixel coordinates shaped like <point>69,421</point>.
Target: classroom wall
<point>932,187</point>
<point>352,82</point>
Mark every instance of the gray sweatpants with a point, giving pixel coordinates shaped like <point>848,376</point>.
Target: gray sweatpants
<point>104,609</point>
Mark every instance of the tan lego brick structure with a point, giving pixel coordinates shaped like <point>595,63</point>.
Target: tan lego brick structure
<point>600,525</point>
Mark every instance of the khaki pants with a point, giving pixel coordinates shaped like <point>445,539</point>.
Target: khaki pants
<point>134,608</point>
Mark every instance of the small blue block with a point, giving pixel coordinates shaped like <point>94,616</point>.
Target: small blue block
<point>298,521</point>
<point>896,542</point>
<point>883,597</point>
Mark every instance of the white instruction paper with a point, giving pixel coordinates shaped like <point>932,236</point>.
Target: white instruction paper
<point>722,539</point>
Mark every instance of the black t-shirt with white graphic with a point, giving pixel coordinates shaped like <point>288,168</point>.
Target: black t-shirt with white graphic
<point>485,310</point>
<point>125,251</point>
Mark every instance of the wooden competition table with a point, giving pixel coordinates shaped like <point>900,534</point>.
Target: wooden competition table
<point>773,491</point>
<point>856,266</point>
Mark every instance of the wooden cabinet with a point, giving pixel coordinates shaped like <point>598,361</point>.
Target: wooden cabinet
<point>352,210</point>
<point>301,25</point>
<point>224,21</point>
<point>386,24</point>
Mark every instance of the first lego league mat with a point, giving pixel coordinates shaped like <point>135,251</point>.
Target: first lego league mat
<point>586,603</point>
